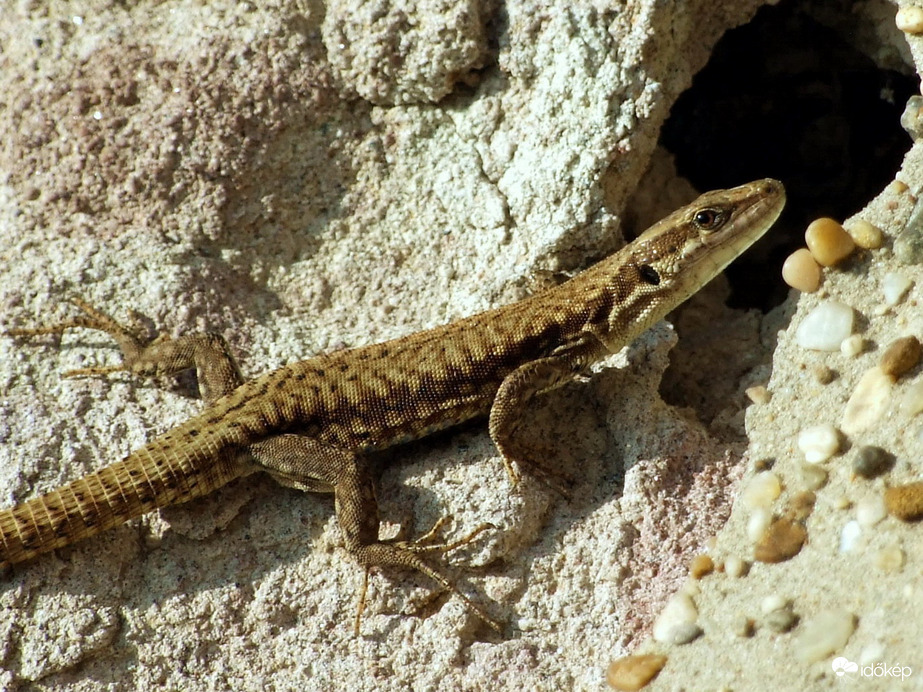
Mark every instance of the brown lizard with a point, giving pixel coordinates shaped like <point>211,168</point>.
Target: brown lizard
<point>317,424</point>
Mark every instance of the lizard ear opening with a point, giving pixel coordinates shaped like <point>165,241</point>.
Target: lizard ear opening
<point>649,275</point>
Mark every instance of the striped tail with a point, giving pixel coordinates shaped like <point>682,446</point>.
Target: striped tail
<point>165,472</point>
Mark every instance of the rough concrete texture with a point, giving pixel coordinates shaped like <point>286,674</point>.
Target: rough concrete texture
<point>304,177</point>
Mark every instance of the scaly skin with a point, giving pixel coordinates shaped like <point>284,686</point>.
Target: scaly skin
<point>315,424</point>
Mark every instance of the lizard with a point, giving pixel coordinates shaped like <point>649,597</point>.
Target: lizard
<point>319,424</point>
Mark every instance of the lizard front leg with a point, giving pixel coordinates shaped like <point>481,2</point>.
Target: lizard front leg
<point>307,464</point>
<point>519,388</point>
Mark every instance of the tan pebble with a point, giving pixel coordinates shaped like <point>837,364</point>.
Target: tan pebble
<point>901,356</point>
<point>700,566</point>
<point>910,19</point>
<point>743,626</point>
<point>801,271</point>
<point>632,673</point>
<point>905,501</point>
<point>912,402</point>
<point>890,559</point>
<point>825,633</point>
<point>823,374</point>
<point>759,394</point>
<point>868,401</point>
<point>813,477</point>
<point>852,346</point>
<point>865,234</point>
<point>801,505</point>
<point>828,241</point>
<point>782,541</point>
<point>761,490</point>
<point>898,187</point>
<point>781,620</point>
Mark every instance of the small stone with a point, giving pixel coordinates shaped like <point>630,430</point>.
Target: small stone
<point>783,540</point>
<point>632,673</point>
<point>911,117</point>
<point>828,241</point>
<point>871,461</point>
<point>801,505</point>
<point>761,490</point>
<point>849,536</point>
<point>865,234</point>
<point>890,559</point>
<point>735,567</point>
<point>905,501</point>
<point>852,346</point>
<point>824,634</point>
<point>743,626</point>
<point>759,394</point>
<point>910,19</point>
<point>801,271</point>
<point>825,327</point>
<point>819,442</point>
<point>676,624</point>
<point>758,524</point>
<point>823,374</point>
<point>813,477</point>
<point>868,401</point>
<point>912,403</point>
<point>894,287</point>
<point>901,356</point>
<point>774,602</point>
<point>908,246</point>
<point>781,620</point>
<point>701,566</point>
<point>871,510</point>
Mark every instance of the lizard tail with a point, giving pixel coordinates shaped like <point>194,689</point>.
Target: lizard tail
<point>154,476</point>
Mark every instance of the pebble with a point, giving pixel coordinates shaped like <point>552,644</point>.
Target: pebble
<point>849,536</point>
<point>912,403</point>
<point>774,602</point>
<point>908,246</point>
<point>735,566</point>
<point>865,234</point>
<point>911,117</point>
<point>852,346</point>
<point>868,401</point>
<point>813,477</point>
<point>871,461</point>
<point>901,356</point>
<point>905,501</point>
<point>761,490</point>
<point>870,510</point>
<point>910,19</point>
<point>801,505</point>
<point>743,626</point>
<point>894,287</point>
<point>781,620</point>
<point>828,241</point>
<point>701,566</point>
<point>676,624</point>
<point>823,374</point>
<point>824,634</point>
<point>632,673</point>
<point>825,327</point>
<point>801,271</point>
<point>819,442</point>
<point>758,524</point>
<point>782,541</point>
<point>890,559</point>
<point>759,394</point>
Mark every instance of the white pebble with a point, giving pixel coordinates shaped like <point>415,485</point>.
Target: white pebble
<point>852,346</point>
<point>772,603</point>
<point>761,490</point>
<point>818,443</point>
<point>894,286</point>
<point>758,524</point>
<point>676,623</point>
<point>909,19</point>
<point>849,536</point>
<point>912,403</point>
<point>734,566</point>
<point>871,653</point>
<point>824,634</point>
<point>868,401</point>
<point>870,510</point>
<point>825,327</point>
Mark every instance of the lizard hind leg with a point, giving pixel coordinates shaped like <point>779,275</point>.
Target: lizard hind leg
<point>305,463</point>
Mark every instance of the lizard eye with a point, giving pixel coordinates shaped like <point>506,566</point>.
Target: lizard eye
<point>708,219</point>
